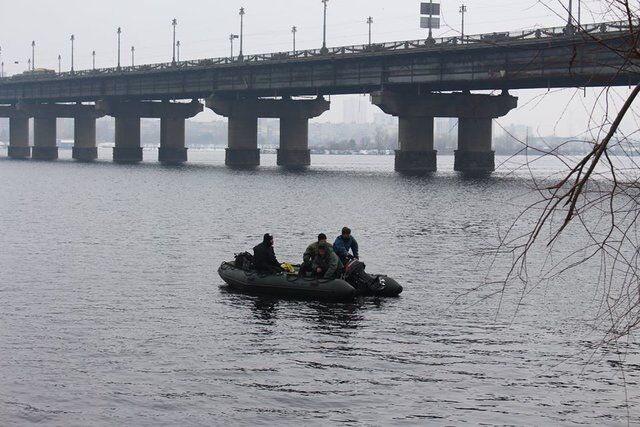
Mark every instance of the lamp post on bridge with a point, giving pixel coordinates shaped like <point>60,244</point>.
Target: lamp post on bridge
<point>93,55</point>
<point>570,17</point>
<point>29,64</point>
<point>119,34</point>
<point>59,63</point>
<point>174,23</point>
<point>33,54</point>
<point>324,29</point>
<point>178,47</point>
<point>133,56</point>
<point>294,30</point>
<point>73,38</point>
<point>370,22</point>
<point>463,10</point>
<point>232,37</point>
<point>242,13</point>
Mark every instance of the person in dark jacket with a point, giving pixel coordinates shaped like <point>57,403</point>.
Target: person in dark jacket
<point>326,263</point>
<point>344,243</point>
<point>264,257</point>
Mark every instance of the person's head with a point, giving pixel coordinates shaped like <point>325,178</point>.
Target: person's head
<point>268,239</point>
<point>346,232</point>
<point>322,237</point>
<point>322,249</point>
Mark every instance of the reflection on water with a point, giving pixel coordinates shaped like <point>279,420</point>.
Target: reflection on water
<point>112,312</point>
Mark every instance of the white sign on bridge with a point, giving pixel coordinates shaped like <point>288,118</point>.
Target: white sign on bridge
<point>426,22</point>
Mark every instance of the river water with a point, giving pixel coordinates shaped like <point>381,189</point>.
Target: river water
<point>112,313</point>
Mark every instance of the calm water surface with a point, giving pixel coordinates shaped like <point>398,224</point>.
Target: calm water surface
<point>112,313</point>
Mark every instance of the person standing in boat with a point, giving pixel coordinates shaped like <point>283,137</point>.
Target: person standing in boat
<point>344,243</point>
<point>264,257</point>
<point>326,263</point>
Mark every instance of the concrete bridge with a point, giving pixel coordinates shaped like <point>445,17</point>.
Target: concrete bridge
<point>413,80</point>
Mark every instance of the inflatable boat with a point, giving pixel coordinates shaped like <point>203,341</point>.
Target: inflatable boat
<point>292,285</point>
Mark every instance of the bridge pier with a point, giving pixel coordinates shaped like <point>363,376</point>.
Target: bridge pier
<point>44,138</point>
<point>294,143</point>
<point>242,149</point>
<point>474,153</point>
<point>84,139</point>
<point>127,140</point>
<point>415,152</point>
<point>243,116</point>
<point>172,128</point>
<point>44,129</point>
<point>19,137</point>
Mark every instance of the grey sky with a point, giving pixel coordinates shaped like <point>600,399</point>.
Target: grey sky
<point>204,27</point>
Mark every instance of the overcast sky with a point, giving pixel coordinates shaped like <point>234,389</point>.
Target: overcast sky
<point>204,27</point>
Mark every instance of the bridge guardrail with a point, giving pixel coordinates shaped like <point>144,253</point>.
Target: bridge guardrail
<point>492,38</point>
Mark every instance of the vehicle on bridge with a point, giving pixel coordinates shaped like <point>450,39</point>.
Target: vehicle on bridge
<point>36,73</point>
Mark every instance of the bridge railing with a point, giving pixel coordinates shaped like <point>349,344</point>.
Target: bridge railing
<point>374,48</point>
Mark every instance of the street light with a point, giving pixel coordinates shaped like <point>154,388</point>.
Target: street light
<point>133,58</point>
<point>29,64</point>
<point>33,54</point>
<point>240,56</point>
<point>73,38</point>
<point>324,29</point>
<point>119,33</point>
<point>294,30</point>
<point>463,10</point>
<point>59,63</point>
<point>178,46</point>
<point>370,22</point>
<point>232,37</point>
<point>570,17</point>
<point>174,23</point>
<point>93,54</point>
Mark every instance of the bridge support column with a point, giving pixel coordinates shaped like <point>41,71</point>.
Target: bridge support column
<point>172,117</point>
<point>415,153</point>
<point>474,153</point>
<point>243,116</point>
<point>242,150</point>
<point>44,138</point>
<point>19,138</point>
<point>172,141</point>
<point>294,143</point>
<point>84,145</point>
<point>44,135</point>
<point>475,113</point>
<point>127,149</point>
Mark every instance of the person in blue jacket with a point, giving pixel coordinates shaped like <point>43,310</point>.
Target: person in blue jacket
<point>344,243</point>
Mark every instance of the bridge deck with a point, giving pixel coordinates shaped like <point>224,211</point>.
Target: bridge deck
<point>536,59</point>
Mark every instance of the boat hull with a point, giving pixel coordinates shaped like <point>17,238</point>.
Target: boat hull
<point>291,285</point>
<point>285,284</point>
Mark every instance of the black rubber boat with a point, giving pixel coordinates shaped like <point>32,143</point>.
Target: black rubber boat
<point>292,285</point>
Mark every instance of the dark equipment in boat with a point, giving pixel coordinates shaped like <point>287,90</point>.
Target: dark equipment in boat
<point>364,282</point>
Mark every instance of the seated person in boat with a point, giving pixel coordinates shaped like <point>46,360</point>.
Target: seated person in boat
<point>326,263</point>
<point>310,254</point>
<point>264,257</point>
<point>344,243</point>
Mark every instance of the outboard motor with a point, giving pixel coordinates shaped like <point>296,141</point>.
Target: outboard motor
<point>355,275</point>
